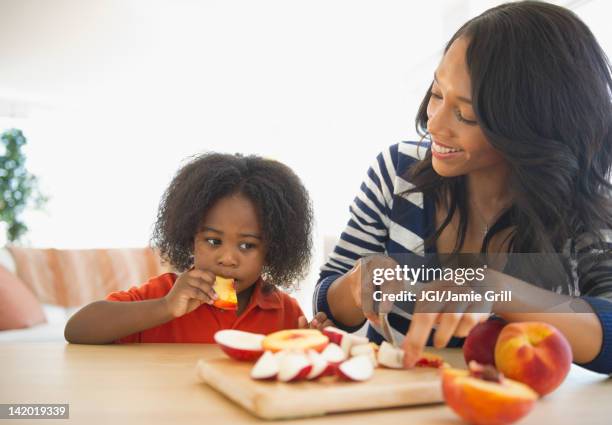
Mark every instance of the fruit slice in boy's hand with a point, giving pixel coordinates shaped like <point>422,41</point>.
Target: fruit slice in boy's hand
<point>226,291</point>
<point>190,290</point>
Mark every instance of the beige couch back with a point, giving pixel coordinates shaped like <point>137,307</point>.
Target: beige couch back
<point>72,278</point>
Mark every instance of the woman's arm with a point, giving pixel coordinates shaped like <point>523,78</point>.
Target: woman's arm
<point>351,296</point>
<point>366,233</point>
<point>103,322</point>
<point>583,330</point>
<point>342,302</point>
<point>587,322</point>
<point>573,316</point>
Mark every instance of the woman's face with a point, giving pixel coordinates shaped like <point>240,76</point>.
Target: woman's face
<point>459,146</point>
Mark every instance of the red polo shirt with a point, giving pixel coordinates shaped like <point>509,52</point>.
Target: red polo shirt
<point>268,311</point>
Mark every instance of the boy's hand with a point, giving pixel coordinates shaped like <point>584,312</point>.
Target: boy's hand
<point>320,321</point>
<point>192,289</point>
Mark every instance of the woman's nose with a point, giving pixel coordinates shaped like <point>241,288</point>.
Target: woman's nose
<point>438,119</point>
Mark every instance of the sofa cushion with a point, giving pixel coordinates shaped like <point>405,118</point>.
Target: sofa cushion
<point>19,308</point>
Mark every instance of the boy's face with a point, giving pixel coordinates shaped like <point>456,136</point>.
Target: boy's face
<point>230,242</point>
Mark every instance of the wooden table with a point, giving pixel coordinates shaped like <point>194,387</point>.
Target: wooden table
<point>157,384</point>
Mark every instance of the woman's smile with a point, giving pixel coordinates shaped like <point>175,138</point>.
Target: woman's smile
<point>441,151</point>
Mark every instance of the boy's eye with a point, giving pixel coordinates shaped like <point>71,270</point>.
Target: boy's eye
<point>213,241</point>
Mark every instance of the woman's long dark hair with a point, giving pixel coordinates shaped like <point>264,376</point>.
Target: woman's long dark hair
<point>541,92</point>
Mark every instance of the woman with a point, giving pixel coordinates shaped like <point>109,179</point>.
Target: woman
<point>520,123</point>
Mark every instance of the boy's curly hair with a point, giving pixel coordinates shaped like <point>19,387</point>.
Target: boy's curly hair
<point>279,197</point>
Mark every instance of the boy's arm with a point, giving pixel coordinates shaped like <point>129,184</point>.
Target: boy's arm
<point>103,322</point>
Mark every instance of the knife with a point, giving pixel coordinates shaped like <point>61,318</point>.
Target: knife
<point>386,328</point>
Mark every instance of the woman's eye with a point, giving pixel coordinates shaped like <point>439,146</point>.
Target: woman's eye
<point>458,115</point>
<point>464,120</point>
<point>213,242</point>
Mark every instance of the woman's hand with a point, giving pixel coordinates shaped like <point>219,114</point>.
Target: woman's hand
<point>450,319</point>
<point>449,324</point>
<point>192,289</point>
<point>320,322</point>
<point>362,285</point>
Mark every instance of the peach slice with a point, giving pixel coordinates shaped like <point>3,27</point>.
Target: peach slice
<point>358,368</point>
<point>367,350</point>
<point>393,358</point>
<point>349,341</point>
<point>344,339</point>
<point>295,339</point>
<point>491,401</point>
<point>390,356</point>
<point>335,335</point>
<point>266,367</point>
<point>293,366</point>
<point>240,345</point>
<point>431,360</point>
<point>226,291</point>
<point>318,363</point>
<point>333,355</point>
<point>534,353</point>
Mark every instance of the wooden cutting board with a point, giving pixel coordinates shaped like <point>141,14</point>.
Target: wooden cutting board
<point>277,400</point>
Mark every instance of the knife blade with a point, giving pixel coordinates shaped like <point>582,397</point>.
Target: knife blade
<point>386,328</point>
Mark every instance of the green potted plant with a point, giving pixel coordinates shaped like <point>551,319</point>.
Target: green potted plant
<point>18,188</point>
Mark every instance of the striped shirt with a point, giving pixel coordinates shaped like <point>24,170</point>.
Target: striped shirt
<point>383,219</point>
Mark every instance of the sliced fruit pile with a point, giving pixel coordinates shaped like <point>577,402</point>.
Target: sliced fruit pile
<point>308,354</point>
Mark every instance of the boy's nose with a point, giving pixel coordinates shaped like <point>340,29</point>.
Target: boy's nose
<point>227,258</point>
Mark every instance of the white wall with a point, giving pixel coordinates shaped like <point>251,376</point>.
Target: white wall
<point>112,95</point>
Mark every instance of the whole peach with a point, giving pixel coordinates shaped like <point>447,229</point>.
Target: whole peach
<point>534,353</point>
<point>480,343</point>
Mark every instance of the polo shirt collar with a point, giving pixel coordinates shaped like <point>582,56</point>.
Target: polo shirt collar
<point>266,300</point>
